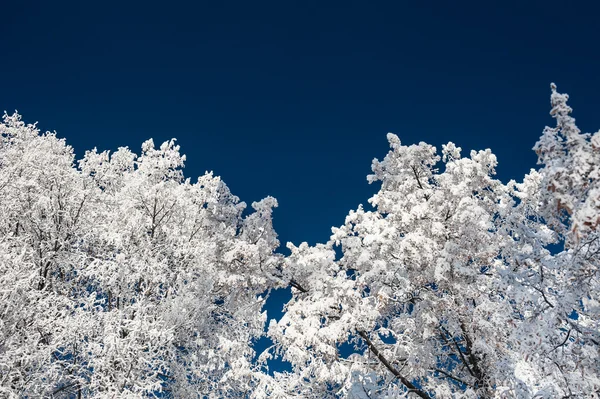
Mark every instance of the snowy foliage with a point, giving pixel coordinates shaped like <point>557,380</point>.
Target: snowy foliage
<point>121,278</point>
<point>449,288</point>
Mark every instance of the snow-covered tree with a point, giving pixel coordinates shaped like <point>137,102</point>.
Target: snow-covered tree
<point>455,285</point>
<point>560,334</point>
<point>121,279</point>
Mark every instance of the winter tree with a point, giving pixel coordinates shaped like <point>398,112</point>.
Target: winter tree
<point>120,278</point>
<point>455,285</point>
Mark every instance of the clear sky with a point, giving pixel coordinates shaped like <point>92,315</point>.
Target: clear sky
<point>294,98</point>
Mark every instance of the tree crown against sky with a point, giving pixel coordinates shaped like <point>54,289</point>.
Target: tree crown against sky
<point>121,278</point>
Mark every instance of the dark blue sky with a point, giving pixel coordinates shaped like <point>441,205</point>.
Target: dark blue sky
<point>293,99</point>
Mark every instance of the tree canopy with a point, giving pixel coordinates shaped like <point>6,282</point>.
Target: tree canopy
<point>121,278</point>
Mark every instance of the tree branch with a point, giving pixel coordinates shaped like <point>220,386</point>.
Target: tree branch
<point>297,286</point>
<point>460,352</point>
<point>564,342</point>
<point>391,368</point>
<point>448,375</point>
<point>414,169</point>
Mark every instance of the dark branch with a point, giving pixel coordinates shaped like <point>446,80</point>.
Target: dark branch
<point>447,375</point>
<point>297,286</point>
<point>564,342</point>
<point>414,169</point>
<point>460,352</point>
<point>391,368</point>
<point>541,291</point>
<point>479,374</point>
<point>64,388</point>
